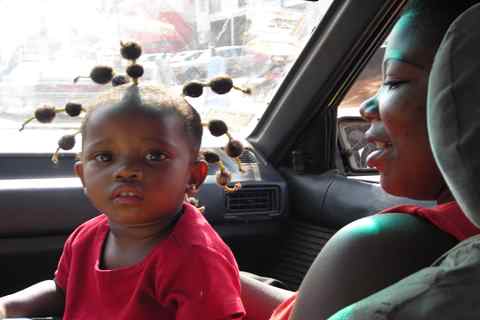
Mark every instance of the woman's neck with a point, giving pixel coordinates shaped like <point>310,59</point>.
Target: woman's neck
<point>444,195</point>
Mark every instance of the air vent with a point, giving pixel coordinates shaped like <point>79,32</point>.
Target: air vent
<point>247,156</point>
<point>253,200</point>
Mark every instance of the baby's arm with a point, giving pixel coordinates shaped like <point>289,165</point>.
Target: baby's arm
<point>42,299</point>
<point>260,299</point>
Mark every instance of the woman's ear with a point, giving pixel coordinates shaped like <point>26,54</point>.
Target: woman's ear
<point>198,172</point>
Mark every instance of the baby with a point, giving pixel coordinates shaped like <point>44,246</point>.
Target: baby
<point>150,254</point>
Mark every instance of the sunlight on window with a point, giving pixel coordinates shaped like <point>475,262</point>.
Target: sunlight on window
<point>46,44</point>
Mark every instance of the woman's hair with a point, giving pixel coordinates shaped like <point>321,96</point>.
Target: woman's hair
<point>431,18</point>
<point>158,99</point>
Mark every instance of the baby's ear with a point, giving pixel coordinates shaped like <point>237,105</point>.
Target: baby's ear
<point>199,172</point>
<point>78,168</point>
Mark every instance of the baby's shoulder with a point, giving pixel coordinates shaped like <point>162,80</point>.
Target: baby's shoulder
<point>193,234</point>
<point>93,223</point>
<point>88,229</point>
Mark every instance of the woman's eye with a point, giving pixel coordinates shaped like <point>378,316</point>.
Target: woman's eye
<point>103,157</point>
<point>155,156</point>
<point>389,85</point>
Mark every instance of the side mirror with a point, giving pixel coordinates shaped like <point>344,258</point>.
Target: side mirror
<point>353,145</point>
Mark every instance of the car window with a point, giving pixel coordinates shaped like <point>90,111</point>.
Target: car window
<point>355,148</point>
<point>365,86</point>
<point>54,41</point>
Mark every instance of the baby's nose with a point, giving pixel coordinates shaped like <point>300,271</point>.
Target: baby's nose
<point>129,171</point>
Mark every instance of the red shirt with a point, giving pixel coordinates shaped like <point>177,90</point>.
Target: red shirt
<point>284,309</point>
<point>447,217</point>
<point>192,274</point>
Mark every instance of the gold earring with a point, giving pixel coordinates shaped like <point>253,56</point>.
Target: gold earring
<point>191,190</point>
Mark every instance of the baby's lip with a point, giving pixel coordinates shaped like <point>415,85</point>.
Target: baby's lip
<point>127,190</point>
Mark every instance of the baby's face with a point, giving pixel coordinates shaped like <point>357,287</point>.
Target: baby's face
<point>135,165</point>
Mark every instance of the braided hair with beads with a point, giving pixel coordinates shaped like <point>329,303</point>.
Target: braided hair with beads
<point>103,74</point>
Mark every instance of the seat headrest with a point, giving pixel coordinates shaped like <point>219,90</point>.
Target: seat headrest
<point>453,110</point>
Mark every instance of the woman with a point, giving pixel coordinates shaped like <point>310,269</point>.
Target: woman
<point>375,252</point>
<point>448,289</point>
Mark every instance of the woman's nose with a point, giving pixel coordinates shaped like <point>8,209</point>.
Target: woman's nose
<point>129,171</point>
<point>369,109</point>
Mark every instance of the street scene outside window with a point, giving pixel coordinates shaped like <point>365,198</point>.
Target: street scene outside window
<point>47,45</point>
<point>353,144</point>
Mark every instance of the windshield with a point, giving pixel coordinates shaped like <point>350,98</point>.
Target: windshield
<point>46,44</point>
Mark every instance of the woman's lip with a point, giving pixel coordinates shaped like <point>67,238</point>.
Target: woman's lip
<point>377,157</point>
<point>377,139</point>
<point>377,135</point>
<point>382,144</point>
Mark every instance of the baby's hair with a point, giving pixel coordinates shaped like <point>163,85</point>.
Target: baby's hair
<point>155,97</point>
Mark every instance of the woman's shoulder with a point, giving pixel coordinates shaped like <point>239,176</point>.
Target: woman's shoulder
<point>392,229</point>
<point>401,243</point>
<point>448,217</point>
<point>370,253</point>
<point>443,291</point>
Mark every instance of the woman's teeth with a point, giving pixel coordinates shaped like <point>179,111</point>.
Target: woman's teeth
<point>381,145</point>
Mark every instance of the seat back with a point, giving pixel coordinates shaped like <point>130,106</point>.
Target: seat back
<point>454,111</point>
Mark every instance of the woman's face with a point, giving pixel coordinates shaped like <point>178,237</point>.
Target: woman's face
<point>397,115</point>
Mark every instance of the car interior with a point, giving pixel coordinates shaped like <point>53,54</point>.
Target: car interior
<point>304,159</point>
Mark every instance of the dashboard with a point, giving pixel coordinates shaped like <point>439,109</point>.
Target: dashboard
<point>39,197</point>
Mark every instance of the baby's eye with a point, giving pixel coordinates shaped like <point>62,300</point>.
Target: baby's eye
<point>155,156</point>
<point>103,157</point>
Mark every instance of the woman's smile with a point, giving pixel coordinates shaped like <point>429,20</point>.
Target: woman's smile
<point>377,158</point>
<point>377,136</point>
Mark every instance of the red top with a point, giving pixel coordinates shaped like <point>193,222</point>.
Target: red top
<point>192,274</point>
<point>447,217</point>
<point>283,311</point>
